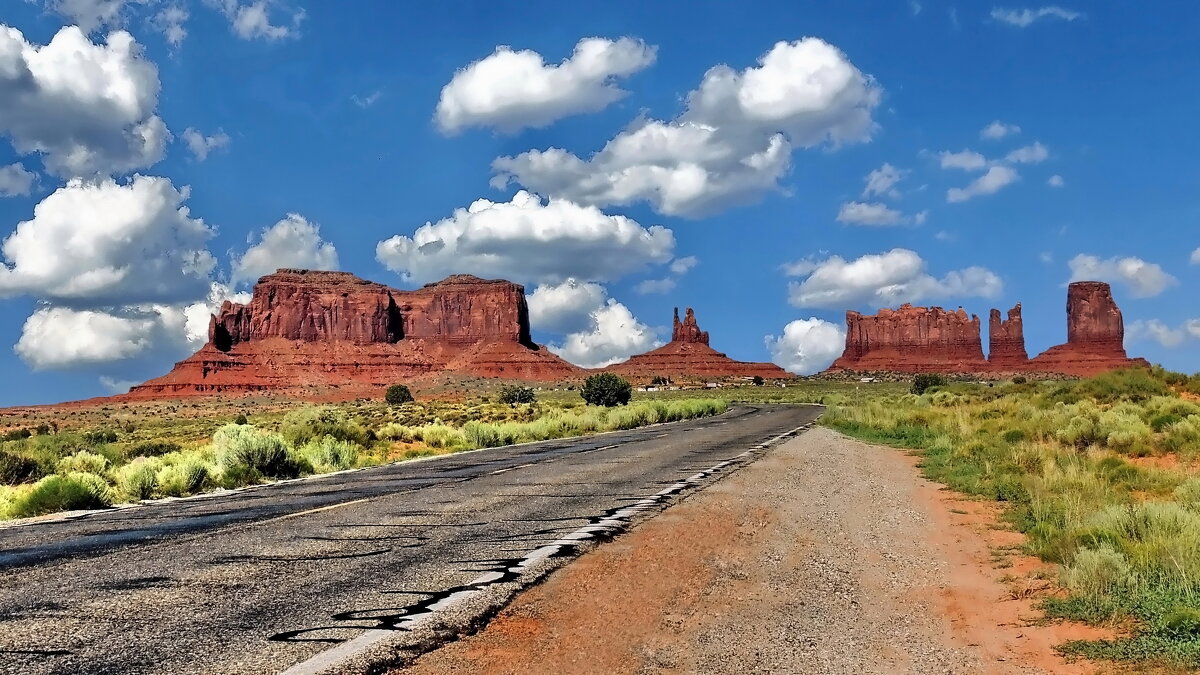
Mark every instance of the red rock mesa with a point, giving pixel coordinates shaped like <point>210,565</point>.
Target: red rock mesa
<point>308,329</point>
<point>912,340</point>
<point>919,339</point>
<point>688,355</point>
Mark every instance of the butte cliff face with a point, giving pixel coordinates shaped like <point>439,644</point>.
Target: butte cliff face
<point>688,355</point>
<point>919,339</point>
<point>1095,335</point>
<point>1006,341</point>
<point>304,329</point>
<point>912,340</point>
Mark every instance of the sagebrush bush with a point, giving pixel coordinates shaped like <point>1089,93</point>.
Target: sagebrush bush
<point>152,448</point>
<point>330,454</point>
<point>138,479</point>
<point>302,426</point>
<point>17,468</point>
<point>188,477</point>
<point>62,493</point>
<point>83,462</point>
<point>514,394</point>
<point>248,447</point>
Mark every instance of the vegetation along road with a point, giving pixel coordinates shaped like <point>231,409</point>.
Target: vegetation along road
<point>345,570</point>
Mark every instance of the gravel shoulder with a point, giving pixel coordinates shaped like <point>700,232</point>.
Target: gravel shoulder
<point>826,556</point>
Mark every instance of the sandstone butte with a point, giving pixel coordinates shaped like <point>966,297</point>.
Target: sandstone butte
<point>688,355</point>
<point>306,329</point>
<point>930,339</point>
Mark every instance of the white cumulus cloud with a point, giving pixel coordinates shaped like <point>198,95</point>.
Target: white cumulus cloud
<point>16,180</point>
<point>883,279</point>
<point>807,346</point>
<point>292,242</point>
<point>997,130</point>
<point>105,241</point>
<point>731,145</point>
<point>252,20</point>
<point>882,181</point>
<point>996,178</point>
<point>565,307</point>
<point>528,239</point>
<point>510,90</point>
<point>1143,279</point>
<point>201,146</point>
<point>870,213</point>
<point>1156,330</point>
<point>614,335</point>
<point>967,160</point>
<point>1055,181</point>
<point>1030,154</point>
<point>1023,18</point>
<point>86,108</point>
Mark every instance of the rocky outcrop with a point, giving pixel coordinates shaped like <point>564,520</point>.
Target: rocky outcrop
<point>309,330</point>
<point>1095,334</point>
<point>688,330</point>
<point>1006,341</point>
<point>912,340</point>
<point>918,339</point>
<point>688,356</point>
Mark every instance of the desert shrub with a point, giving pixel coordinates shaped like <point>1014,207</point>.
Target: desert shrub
<point>15,435</point>
<point>330,454</point>
<point>138,479</point>
<point>240,446</point>
<point>606,389</point>
<point>483,435</point>
<point>515,394</point>
<point>1099,574</point>
<point>924,381</point>
<point>396,432</point>
<point>99,436</point>
<point>1184,436</point>
<point>301,426</point>
<point>1133,384</point>
<point>188,477</point>
<point>62,493</point>
<point>1020,379</point>
<point>398,394</point>
<point>17,468</point>
<point>83,462</point>
<point>442,436</point>
<point>152,449</point>
<point>241,419</point>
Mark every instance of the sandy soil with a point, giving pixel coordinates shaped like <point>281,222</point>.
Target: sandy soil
<point>826,556</point>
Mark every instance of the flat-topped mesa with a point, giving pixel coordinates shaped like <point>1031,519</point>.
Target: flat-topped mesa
<point>1006,341</point>
<point>1095,334</point>
<point>310,306</point>
<point>320,331</point>
<point>688,330</point>
<point>688,355</point>
<point>912,340</point>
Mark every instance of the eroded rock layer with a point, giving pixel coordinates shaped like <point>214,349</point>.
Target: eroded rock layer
<point>1095,335</point>
<point>1006,340</point>
<point>688,355</point>
<point>308,329</point>
<point>912,340</point>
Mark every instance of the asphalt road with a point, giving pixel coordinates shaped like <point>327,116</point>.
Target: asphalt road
<point>266,578</point>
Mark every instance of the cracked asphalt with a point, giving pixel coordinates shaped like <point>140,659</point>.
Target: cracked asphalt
<point>263,579</point>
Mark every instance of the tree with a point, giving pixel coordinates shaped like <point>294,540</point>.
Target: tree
<point>758,381</point>
<point>514,394</point>
<point>398,394</point>
<point>606,389</point>
<point>659,380</point>
<point>924,381</point>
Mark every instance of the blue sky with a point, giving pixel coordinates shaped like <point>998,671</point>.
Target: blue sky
<point>320,130</point>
